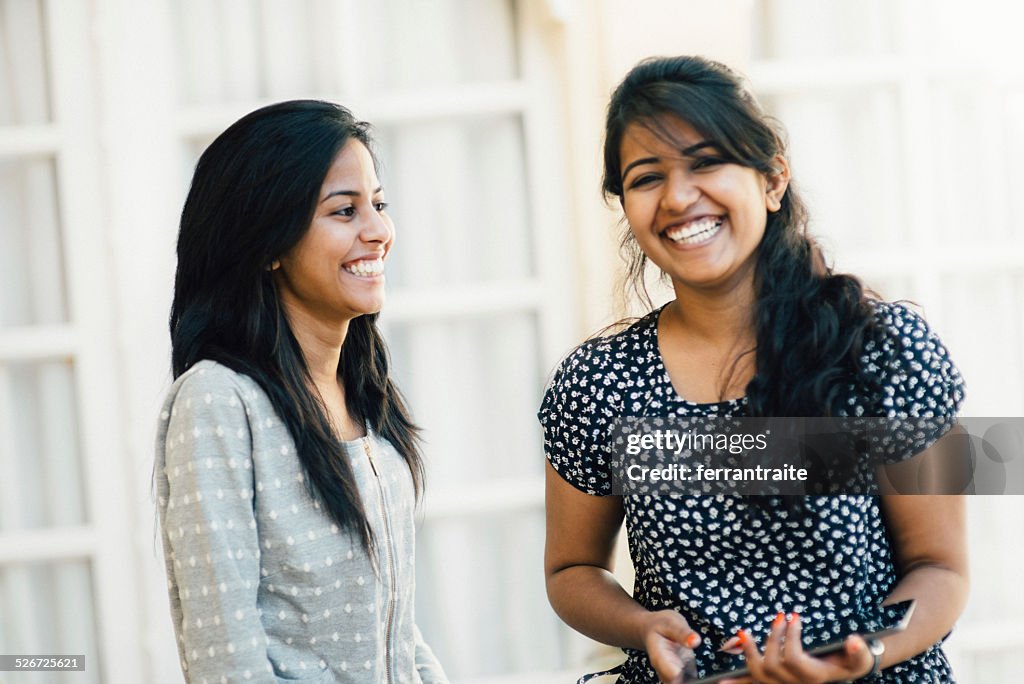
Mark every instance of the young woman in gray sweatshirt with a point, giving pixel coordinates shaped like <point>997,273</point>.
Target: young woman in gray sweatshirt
<point>287,465</point>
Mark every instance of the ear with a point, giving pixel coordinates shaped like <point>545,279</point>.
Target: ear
<point>274,265</point>
<point>777,182</point>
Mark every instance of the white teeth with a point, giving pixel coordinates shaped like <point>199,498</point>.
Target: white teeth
<point>366,267</point>
<point>695,231</point>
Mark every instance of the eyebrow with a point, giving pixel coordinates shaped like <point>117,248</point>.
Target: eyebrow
<point>654,160</point>
<point>348,193</point>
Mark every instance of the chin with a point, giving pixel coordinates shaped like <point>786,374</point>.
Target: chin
<point>370,308</point>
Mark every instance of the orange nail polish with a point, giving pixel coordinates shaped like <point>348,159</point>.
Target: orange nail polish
<point>741,636</point>
<point>778,619</point>
<point>692,641</point>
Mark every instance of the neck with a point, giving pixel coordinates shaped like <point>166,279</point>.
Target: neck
<point>721,318</point>
<point>321,343</point>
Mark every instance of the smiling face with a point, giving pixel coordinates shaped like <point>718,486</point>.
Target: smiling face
<point>695,213</point>
<point>336,271</point>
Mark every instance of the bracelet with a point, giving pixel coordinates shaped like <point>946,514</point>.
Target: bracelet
<point>876,648</point>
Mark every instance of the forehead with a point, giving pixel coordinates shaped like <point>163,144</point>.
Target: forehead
<point>664,136</point>
<point>352,164</point>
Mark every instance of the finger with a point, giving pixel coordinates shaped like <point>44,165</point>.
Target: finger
<point>857,654</point>
<point>854,645</point>
<point>774,665</point>
<point>853,662</point>
<point>798,663</point>
<point>773,645</point>
<point>667,670</point>
<point>666,658</point>
<point>731,646</point>
<point>682,634</point>
<point>854,658</point>
<point>793,649</point>
<point>755,662</point>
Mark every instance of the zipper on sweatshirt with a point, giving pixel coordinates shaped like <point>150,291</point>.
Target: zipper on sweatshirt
<point>391,560</point>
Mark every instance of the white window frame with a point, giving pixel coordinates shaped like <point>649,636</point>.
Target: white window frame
<point>86,340</point>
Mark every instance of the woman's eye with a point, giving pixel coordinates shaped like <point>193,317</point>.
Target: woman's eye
<point>706,162</point>
<point>643,180</point>
<point>347,212</point>
<point>380,206</point>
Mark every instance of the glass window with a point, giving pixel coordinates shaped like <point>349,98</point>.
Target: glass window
<point>48,610</point>
<point>40,462</point>
<point>443,43</point>
<point>31,245</point>
<point>825,28</point>
<point>458,197</point>
<point>24,77</point>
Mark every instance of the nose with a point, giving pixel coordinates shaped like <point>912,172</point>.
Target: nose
<point>680,192</point>
<point>377,228</point>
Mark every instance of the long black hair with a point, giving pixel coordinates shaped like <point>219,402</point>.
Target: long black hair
<point>252,198</point>
<point>810,323</point>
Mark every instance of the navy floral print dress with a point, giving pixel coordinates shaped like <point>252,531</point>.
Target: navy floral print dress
<point>728,562</point>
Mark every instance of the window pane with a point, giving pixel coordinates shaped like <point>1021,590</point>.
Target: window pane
<point>39,457</point>
<point>481,604</point>
<point>983,314</point>
<point>239,50</point>
<point>443,42</point>
<point>978,145</point>
<point>825,28</point>
<point>474,385</point>
<point>846,154</point>
<point>48,610</point>
<point>459,201</point>
<point>31,262</point>
<point>24,81</point>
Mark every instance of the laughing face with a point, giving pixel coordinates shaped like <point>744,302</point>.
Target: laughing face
<point>336,271</point>
<point>697,214</point>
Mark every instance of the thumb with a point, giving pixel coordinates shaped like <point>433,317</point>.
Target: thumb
<point>855,646</point>
<point>680,632</point>
<point>857,654</point>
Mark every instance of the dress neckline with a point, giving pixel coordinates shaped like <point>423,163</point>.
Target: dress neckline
<point>650,337</point>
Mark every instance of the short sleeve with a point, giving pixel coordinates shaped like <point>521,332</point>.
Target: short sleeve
<point>921,389</point>
<point>576,416</point>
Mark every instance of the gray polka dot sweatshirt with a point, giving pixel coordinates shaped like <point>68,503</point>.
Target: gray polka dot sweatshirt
<point>263,585</point>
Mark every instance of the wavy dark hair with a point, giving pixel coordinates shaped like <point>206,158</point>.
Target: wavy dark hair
<point>252,198</point>
<point>810,323</point>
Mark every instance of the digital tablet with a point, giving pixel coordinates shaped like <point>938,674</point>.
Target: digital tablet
<point>893,618</point>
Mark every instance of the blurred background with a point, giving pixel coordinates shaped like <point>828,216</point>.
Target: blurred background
<point>906,121</point>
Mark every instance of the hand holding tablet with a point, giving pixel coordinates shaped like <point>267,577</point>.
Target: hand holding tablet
<point>894,618</point>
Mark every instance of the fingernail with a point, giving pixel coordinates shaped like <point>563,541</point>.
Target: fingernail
<point>795,617</point>
<point>693,640</point>
<point>731,643</point>
<point>854,646</point>
<point>741,636</point>
<point>778,619</point>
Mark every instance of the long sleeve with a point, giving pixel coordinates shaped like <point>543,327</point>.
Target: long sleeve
<point>210,535</point>
<point>427,665</point>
